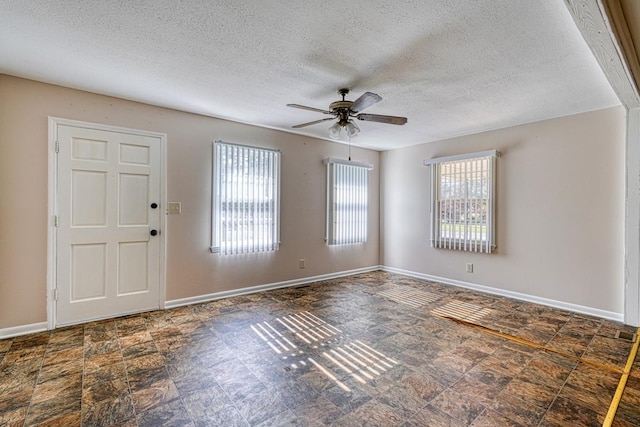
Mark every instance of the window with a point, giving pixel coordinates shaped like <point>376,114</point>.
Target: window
<point>463,201</point>
<point>246,201</point>
<point>347,201</point>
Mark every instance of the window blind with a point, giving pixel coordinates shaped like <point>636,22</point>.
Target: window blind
<point>347,201</point>
<point>246,199</point>
<point>463,201</point>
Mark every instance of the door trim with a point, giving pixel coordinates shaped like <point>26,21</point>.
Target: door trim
<point>52,211</point>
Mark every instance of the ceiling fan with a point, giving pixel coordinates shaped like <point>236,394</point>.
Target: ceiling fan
<point>345,110</point>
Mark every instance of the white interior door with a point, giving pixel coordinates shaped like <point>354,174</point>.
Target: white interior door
<point>108,243</point>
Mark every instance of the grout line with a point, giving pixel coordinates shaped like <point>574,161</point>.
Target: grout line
<point>615,402</point>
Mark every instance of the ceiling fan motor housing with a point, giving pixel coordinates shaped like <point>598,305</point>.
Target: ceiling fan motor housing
<point>342,110</point>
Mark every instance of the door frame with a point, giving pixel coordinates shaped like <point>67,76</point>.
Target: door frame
<point>52,211</point>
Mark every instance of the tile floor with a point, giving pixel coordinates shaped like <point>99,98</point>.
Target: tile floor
<point>372,349</point>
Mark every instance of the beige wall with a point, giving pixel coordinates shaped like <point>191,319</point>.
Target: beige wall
<point>560,206</point>
<point>560,216</point>
<point>191,269</point>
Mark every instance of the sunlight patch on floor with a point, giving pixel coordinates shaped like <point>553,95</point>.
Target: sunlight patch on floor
<point>409,296</point>
<point>462,310</point>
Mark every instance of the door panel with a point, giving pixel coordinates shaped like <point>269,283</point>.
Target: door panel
<point>107,262</point>
<point>88,271</point>
<point>132,277</point>
<point>133,209</point>
<point>88,198</point>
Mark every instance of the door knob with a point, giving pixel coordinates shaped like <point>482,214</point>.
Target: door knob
<point>153,232</point>
<point>154,205</point>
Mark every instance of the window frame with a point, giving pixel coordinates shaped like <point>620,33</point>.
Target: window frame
<point>217,245</point>
<point>437,240</point>
<point>335,235</point>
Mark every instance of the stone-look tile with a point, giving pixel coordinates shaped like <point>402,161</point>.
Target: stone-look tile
<point>92,348</point>
<point>108,412</point>
<point>472,388</point>
<point>62,356</point>
<point>70,385</point>
<point>171,414</point>
<point>492,419</point>
<point>286,418</point>
<point>347,401</point>
<point>157,393</point>
<point>403,399</point>
<point>69,420</point>
<point>105,373</point>
<point>31,341</point>
<point>523,388</point>
<point>460,407</point>
<point>52,409</point>
<point>319,410</point>
<point>97,361</point>
<point>433,417</point>
<point>608,351</point>
<point>142,363</point>
<point>204,365</point>
<point>293,393</point>
<point>5,345</point>
<point>518,410</point>
<point>544,370</point>
<point>12,383</point>
<point>112,389</point>
<point>628,411</point>
<point>591,387</point>
<point>191,380</point>
<point>421,385</point>
<point>566,412</point>
<point>372,413</point>
<point>259,407</point>
<point>572,345</point>
<point>99,335</point>
<point>13,400</point>
<point>135,338</point>
<point>20,355</point>
<point>143,379</point>
<point>138,350</point>
<point>49,372</point>
<point>14,416</point>
<point>448,368</point>
<point>211,407</point>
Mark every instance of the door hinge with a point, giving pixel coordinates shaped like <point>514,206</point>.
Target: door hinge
<point>55,294</point>
<point>57,147</point>
<point>56,220</point>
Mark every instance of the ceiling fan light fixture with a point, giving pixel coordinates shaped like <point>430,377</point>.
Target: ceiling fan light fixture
<point>334,131</point>
<point>352,129</point>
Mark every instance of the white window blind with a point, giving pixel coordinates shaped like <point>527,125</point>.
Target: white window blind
<point>246,200</point>
<point>347,201</point>
<point>463,201</point>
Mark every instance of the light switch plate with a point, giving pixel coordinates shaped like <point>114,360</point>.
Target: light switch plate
<point>174,208</point>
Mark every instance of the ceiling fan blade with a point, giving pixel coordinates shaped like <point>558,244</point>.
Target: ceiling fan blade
<point>392,120</point>
<point>366,100</point>
<point>312,123</point>
<point>309,108</point>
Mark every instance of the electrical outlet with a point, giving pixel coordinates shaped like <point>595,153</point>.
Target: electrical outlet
<point>174,208</point>
<point>469,267</point>
<point>302,263</point>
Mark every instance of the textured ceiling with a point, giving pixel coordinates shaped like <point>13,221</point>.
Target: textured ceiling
<point>452,67</point>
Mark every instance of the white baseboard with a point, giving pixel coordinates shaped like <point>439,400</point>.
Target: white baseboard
<point>260,288</point>
<point>22,330</point>
<point>618,317</point>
